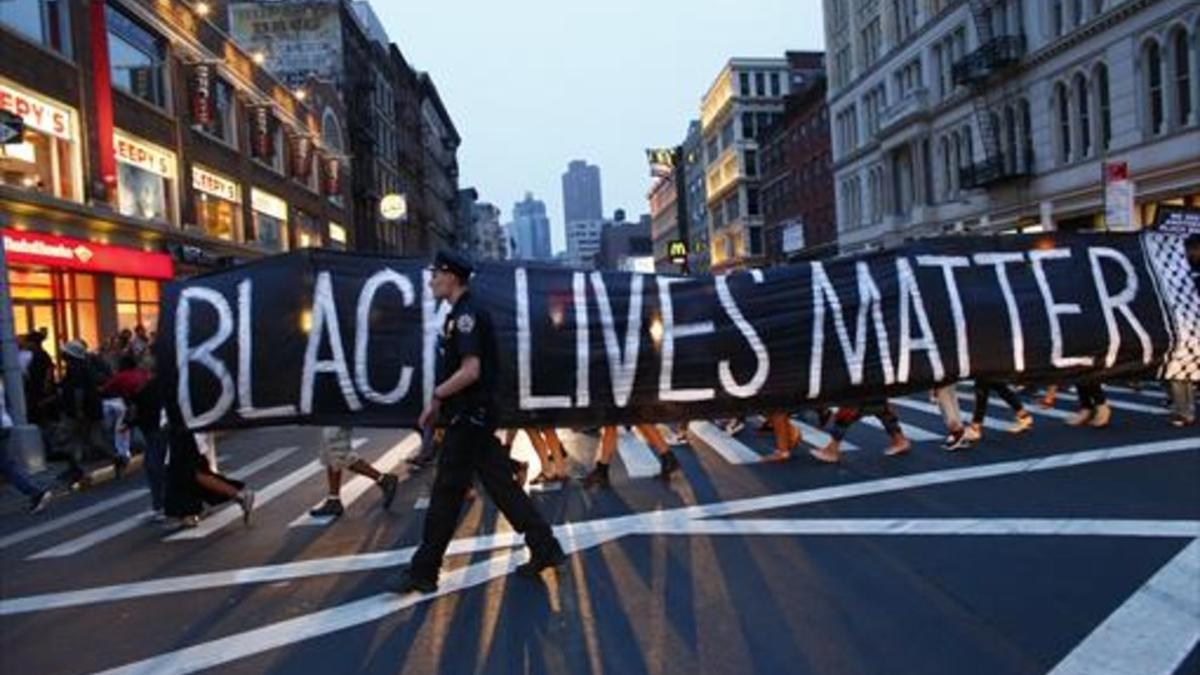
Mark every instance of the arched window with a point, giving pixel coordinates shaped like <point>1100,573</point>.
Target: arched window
<point>1183,76</point>
<point>947,167</point>
<point>1063,101</point>
<point>1058,17</point>
<point>1027,132</point>
<point>997,145</point>
<point>1010,133</point>
<point>1104,109</point>
<point>968,147</point>
<point>1154,86</point>
<point>331,131</point>
<point>1085,118</point>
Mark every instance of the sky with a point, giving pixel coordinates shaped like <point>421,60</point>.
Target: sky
<point>533,84</point>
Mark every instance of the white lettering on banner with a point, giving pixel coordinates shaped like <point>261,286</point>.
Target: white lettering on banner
<point>762,359</point>
<point>1056,309</point>
<point>143,155</point>
<point>202,354</point>
<point>325,322</point>
<point>268,204</point>
<point>854,355</point>
<point>998,261</point>
<point>910,301</point>
<point>949,263</point>
<point>38,113</point>
<point>245,379</point>
<point>362,336</point>
<point>212,184</point>
<point>671,332</point>
<point>582,341</point>
<point>622,368</point>
<point>1119,302</point>
<point>527,399</point>
<point>433,315</point>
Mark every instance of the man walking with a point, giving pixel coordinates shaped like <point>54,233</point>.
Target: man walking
<point>464,402</point>
<point>338,454</point>
<point>10,470</point>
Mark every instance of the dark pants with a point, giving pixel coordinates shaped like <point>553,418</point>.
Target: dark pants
<point>983,390</point>
<point>846,417</point>
<point>1090,395</point>
<point>12,471</point>
<point>469,450</point>
<point>156,465</point>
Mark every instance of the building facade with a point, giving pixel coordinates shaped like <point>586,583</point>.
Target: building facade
<point>581,193</point>
<point>439,185</point>
<point>626,247</point>
<point>530,230</point>
<point>664,221</point>
<point>699,256</point>
<point>153,148</point>
<point>485,237</point>
<point>797,192</point>
<point>996,116</point>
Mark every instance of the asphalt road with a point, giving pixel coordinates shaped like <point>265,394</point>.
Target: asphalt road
<point>1064,550</point>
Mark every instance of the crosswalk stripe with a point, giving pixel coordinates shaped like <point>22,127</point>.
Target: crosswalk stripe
<point>73,517</point>
<point>132,522</point>
<point>728,447</point>
<point>232,512</point>
<point>639,460</point>
<point>360,485</point>
<point>1148,393</point>
<point>1123,405</point>
<point>931,409</point>
<point>913,433</point>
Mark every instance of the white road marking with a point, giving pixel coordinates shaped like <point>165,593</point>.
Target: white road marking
<point>120,527</point>
<point>73,517</point>
<point>1055,527</point>
<point>1150,633</point>
<point>728,447</point>
<point>932,409</point>
<point>360,485</point>
<point>1037,410</point>
<point>913,433</point>
<point>1148,393</point>
<point>523,451</point>
<point>660,521</point>
<point>1123,405</point>
<point>639,460</point>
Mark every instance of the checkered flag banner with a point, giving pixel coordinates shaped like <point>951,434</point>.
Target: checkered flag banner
<point>1168,262</point>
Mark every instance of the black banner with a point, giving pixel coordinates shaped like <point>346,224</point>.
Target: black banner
<point>321,337</point>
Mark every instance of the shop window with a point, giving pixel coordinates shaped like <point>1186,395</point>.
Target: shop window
<point>43,21</point>
<point>268,227</point>
<point>218,204</point>
<point>137,58</point>
<point>137,303</point>
<point>79,308</point>
<point>308,231</point>
<point>145,179</point>
<point>47,158</point>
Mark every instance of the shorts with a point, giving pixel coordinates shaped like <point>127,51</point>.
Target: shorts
<point>337,451</point>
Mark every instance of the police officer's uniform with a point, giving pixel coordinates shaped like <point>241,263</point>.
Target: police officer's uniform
<point>470,446</point>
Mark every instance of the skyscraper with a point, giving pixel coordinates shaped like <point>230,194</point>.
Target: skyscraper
<point>530,229</point>
<point>581,192</point>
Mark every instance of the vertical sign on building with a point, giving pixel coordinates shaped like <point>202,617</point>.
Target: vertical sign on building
<point>202,94</point>
<point>302,153</point>
<point>262,138</point>
<point>331,176</point>
<point>1118,197</point>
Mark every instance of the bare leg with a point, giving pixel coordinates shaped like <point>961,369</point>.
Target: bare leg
<point>363,469</point>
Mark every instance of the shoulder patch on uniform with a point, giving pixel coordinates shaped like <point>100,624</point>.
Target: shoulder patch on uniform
<point>466,323</point>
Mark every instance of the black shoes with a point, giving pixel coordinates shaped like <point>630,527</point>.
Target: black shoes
<point>544,561</point>
<point>407,583</point>
<point>670,464</point>
<point>598,477</point>
<point>388,483</point>
<point>333,507</point>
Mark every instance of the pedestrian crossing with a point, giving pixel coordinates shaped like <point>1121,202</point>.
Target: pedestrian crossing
<point>286,471</point>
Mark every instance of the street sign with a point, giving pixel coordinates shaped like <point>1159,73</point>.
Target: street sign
<point>12,127</point>
<point>678,251</point>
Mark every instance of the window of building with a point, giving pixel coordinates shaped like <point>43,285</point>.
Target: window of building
<point>1064,123</point>
<point>1026,135</point>
<point>751,162</point>
<point>774,84</point>
<point>1097,7</point>
<point>905,12</point>
<point>727,134</point>
<point>1085,118</point>
<point>1076,12</point>
<point>1010,135</point>
<point>713,149</point>
<point>752,206</point>
<point>756,244</point>
<point>1058,17</point>
<point>79,307</point>
<point>744,82</point>
<point>218,204</point>
<point>137,58</point>
<point>43,21</point>
<point>732,206</point>
<point>968,146</point>
<point>308,231</point>
<point>137,303</point>
<point>760,84</point>
<point>1105,110</point>
<point>1183,79</point>
<point>145,179</point>
<point>269,221</point>
<point>748,127</point>
<point>1154,81</point>
<point>224,120</point>
<point>871,38</point>
<point>47,160</point>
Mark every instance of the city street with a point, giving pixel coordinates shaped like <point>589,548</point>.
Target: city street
<point>1065,550</point>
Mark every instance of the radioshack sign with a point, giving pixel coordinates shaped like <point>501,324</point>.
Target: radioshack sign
<point>35,248</point>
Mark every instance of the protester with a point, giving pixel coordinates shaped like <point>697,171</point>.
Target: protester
<point>1182,392</point>
<point>846,417</point>
<point>1093,406</point>
<point>983,389</point>
<point>191,482</point>
<point>337,455</point>
<point>553,460</point>
<point>958,436</point>
<point>146,415</point>
<point>41,395</point>
<point>464,402</point>
<point>787,437</point>
<point>116,395</point>
<point>10,469</point>
<point>668,463</point>
<point>79,393</point>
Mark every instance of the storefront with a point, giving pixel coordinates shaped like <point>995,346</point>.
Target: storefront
<point>337,237</point>
<point>269,223</point>
<point>308,231</point>
<point>76,289</point>
<point>218,204</point>
<point>145,179</point>
<point>48,159</point>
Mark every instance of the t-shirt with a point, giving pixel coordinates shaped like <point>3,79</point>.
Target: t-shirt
<point>125,384</point>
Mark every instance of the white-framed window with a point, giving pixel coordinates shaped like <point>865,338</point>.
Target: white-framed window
<point>269,221</point>
<point>46,22</point>
<point>223,125</point>
<point>137,58</point>
<point>1062,103</point>
<point>1152,72</point>
<point>218,201</point>
<point>146,179</point>
<point>48,158</point>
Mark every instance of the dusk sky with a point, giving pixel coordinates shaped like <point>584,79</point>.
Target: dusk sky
<point>533,84</point>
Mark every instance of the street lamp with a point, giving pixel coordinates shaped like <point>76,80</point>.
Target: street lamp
<point>259,57</point>
<point>202,8</point>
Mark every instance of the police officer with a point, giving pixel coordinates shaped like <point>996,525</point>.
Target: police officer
<point>463,402</point>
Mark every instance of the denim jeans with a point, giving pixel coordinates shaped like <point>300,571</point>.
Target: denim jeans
<point>156,465</point>
<point>13,472</point>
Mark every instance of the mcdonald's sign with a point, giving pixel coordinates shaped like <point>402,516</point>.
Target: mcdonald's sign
<point>677,249</point>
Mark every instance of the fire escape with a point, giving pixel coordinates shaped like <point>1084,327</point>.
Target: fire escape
<point>989,74</point>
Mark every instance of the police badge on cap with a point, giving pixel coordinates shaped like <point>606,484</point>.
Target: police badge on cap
<point>448,261</point>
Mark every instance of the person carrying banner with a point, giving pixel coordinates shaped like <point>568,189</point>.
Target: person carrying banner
<point>554,467</point>
<point>1093,406</point>
<point>983,389</point>
<point>958,436</point>
<point>787,437</point>
<point>337,454</point>
<point>846,417</point>
<point>464,402</point>
<point>1182,392</point>
<point>608,447</point>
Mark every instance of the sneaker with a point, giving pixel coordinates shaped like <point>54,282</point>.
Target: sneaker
<point>329,508</point>
<point>957,440</point>
<point>543,561</point>
<point>598,477</point>
<point>1102,417</point>
<point>734,427</point>
<point>973,433</point>
<point>670,464</point>
<point>407,582</point>
<point>388,484</point>
<point>1024,423</point>
<point>1080,418</point>
<point>247,504</point>
<point>38,502</point>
